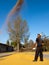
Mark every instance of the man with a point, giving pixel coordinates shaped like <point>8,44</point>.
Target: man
<point>39,50</point>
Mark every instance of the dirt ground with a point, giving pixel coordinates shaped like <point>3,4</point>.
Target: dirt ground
<point>24,58</point>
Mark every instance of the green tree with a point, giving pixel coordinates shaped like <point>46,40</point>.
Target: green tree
<point>46,41</point>
<point>7,42</point>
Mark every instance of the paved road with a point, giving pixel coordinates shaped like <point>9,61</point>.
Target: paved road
<point>6,54</point>
<point>45,56</point>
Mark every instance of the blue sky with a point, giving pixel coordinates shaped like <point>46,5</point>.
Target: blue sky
<point>36,12</point>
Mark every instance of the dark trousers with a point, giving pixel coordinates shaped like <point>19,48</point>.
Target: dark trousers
<point>39,52</point>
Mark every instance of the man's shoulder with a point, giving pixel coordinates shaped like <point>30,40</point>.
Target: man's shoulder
<point>36,39</point>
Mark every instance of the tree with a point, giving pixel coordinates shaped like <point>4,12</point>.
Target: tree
<point>18,30</point>
<point>28,45</point>
<point>31,43</point>
<point>8,42</point>
<point>13,44</point>
<point>46,41</point>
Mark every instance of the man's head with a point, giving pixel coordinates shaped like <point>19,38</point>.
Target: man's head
<point>39,36</point>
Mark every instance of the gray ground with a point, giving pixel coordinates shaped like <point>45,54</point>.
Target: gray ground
<point>6,54</point>
<point>44,55</point>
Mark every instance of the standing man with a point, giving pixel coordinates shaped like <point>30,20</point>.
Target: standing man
<point>39,49</point>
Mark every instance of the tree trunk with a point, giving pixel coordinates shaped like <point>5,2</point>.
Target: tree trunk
<point>18,47</point>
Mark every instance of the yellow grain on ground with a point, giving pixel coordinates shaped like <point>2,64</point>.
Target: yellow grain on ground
<point>25,58</point>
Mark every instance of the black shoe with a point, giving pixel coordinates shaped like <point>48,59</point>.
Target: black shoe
<point>41,60</point>
<point>34,60</point>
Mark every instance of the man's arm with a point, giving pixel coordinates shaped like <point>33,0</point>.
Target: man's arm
<point>35,45</point>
